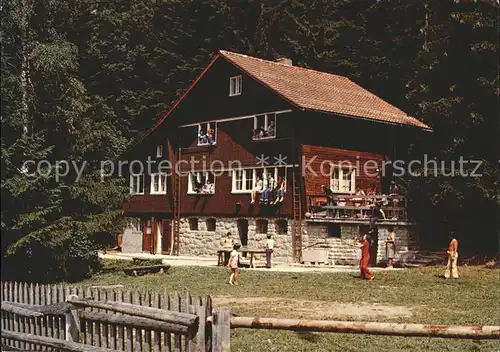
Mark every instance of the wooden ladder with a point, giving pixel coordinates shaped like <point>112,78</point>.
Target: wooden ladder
<point>297,215</point>
<point>176,201</point>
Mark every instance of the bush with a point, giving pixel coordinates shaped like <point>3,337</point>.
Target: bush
<point>75,259</point>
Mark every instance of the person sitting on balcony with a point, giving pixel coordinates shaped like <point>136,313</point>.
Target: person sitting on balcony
<point>358,201</point>
<point>330,201</point>
<point>270,130</point>
<point>210,136</point>
<point>257,188</point>
<point>280,192</point>
<point>198,187</point>
<point>259,133</point>
<point>208,187</point>
<point>202,137</point>
<point>394,192</point>
<point>264,198</point>
<point>372,190</point>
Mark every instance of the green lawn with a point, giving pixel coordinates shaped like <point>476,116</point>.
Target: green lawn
<point>411,296</point>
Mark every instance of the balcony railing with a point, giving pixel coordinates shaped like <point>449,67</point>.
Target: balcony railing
<point>356,207</point>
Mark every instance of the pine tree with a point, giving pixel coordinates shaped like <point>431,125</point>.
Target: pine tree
<point>46,117</point>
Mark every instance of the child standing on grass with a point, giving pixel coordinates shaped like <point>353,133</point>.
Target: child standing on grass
<point>233,263</point>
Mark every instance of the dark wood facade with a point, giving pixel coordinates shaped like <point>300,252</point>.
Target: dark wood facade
<point>300,136</point>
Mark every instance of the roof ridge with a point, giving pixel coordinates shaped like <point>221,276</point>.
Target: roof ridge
<point>224,52</point>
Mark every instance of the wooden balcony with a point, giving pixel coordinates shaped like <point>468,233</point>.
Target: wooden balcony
<point>357,208</point>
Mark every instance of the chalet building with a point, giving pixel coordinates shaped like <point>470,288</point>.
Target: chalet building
<point>246,125</point>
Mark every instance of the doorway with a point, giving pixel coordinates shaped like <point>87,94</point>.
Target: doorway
<point>243,233</point>
<point>147,236</point>
<point>166,236</point>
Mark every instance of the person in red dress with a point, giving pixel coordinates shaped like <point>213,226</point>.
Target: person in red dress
<point>365,258</point>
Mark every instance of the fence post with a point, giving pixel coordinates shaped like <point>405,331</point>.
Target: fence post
<point>72,322</point>
<point>221,330</point>
<point>197,341</point>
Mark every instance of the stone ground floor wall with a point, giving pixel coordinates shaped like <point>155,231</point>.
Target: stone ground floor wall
<point>202,242</point>
<point>205,241</point>
<point>341,247</point>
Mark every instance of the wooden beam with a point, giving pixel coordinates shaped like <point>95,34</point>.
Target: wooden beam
<point>51,342</point>
<point>23,311</point>
<point>178,318</point>
<point>372,328</point>
<point>136,322</point>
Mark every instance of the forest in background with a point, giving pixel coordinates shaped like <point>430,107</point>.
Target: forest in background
<point>81,79</point>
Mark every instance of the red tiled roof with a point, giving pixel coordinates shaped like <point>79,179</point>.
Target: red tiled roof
<point>320,91</point>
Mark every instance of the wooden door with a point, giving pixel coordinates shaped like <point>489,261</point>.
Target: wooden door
<point>166,236</point>
<point>147,236</point>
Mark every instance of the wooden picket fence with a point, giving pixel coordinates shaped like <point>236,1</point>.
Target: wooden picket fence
<point>67,318</point>
<point>93,330</point>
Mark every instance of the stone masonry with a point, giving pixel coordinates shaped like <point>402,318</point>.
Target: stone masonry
<point>202,242</point>
<point>343,251</point>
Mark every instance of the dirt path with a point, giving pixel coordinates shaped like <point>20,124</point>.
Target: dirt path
<point>294,308</point>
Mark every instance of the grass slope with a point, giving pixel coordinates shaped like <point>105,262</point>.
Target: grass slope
<point>473,299</point>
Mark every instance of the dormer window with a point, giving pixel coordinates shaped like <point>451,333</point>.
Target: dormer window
<point>264,126</point>
<point>159,151</point>
<point>235,86</point>
<point>207,133</point>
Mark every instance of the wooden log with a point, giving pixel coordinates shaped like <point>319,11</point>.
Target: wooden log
<point>371,328</point>
<point>60,308</point>
<point>25,311</point>
<point>51,342</point>
<point>135,310</point>
<point>221,330</point>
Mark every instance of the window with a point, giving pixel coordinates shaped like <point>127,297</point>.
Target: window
<point>193,224</point>
<point>235,86</point>
<point>243,180</point>
<point>207,133</point>
<point>159,151</point>
<point>136,184</point>
<point>211,224</point>
<point>264,126</point>
<point>281,226</point>
<point>201,182</point>
<point>334,230</point>
<point>343,180</point>
<point>158,183</point>
<point>261,226</point>
<point>246,179</point>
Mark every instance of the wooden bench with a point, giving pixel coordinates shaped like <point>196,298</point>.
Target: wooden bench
<point>252,252</point>
<point>143,270</point>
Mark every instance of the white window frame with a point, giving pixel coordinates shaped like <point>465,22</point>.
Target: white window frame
<point>159,151</point>
<point>135,182</point>
<point>266,125</point>
<point>341,171</point>
<point>263,170</point>
<point>162,181</point>
<point>209,124</point>
<point>235,85</point>
<point>200,175</point>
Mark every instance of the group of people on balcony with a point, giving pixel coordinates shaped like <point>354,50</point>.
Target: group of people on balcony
<point>207,187</point>
<point>261,132</point>
<point>363,201</point>
<point>206,138</point>
<point>271,192</point>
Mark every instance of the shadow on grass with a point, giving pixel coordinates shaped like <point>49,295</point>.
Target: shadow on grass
<point>307,336</point>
